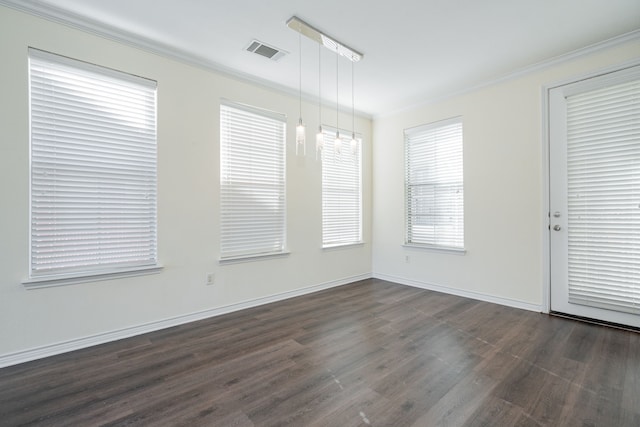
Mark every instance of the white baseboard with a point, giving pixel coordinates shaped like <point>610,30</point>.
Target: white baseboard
<point>80,343</point>
<point>460,292</point>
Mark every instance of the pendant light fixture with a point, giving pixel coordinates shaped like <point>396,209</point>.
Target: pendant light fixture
<point>325,40</point>
<point>340,49</point>
<point>319,135</point>
<point>301,146</point>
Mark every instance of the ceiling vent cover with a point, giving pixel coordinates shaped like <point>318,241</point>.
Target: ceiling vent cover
<point>265,50</point>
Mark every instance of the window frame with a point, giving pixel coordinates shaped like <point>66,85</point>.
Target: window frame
<point>412,135</point>
<point>279,247</point>
<point>102,269</point>
<point>347,156</point>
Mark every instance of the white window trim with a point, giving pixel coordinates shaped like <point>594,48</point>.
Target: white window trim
<point>429,247</point>
<point>433,248</point>
<point>63,280</point>
<point>50,279</point>
<point>342,246</point>
<point>256,256</point>
<point>346,141</point>
<point>252,258</point>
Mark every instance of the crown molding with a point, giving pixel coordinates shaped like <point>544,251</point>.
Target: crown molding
<point>529,69</point>
<point>100,29</point>
<point>73,20</point>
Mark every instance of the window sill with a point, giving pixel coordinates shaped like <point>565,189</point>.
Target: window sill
<point>63,280</point>
<point>341,246</point>
<point>440,249</point>
<point>251,258</point>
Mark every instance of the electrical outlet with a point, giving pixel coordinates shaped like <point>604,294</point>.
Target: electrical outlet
<point>407,259</point>
<point>211,279</point>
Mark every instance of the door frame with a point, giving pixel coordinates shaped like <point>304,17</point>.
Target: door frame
<point>545,153</point>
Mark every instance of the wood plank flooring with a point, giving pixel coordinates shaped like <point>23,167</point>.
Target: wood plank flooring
<point>372,353</point>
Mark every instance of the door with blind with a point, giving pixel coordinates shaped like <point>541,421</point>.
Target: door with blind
<point>594,138</point>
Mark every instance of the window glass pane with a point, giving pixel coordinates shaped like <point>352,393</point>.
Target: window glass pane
<point>93,168</point>
<point>341,191</point>
<point>434,185</point>
<point>252,181</point>
<point>603,188</point>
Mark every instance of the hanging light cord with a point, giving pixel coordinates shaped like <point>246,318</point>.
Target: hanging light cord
<point>319,87</point>
<point>337,90</point>
<point>300,73</point>
<point>353,108</point>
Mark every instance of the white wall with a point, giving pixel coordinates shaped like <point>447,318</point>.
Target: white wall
<point>505,224</point>
<point>188,182</point>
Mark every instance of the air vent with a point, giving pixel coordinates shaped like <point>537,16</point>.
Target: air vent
<point>265,50</point>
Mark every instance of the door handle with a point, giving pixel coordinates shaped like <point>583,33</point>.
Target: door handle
<point>557,227</point>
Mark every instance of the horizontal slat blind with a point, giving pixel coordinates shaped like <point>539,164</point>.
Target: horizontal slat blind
<point>434,185</point>
<point>341,191</point>
<point>603,136</point>
<point>93,168</point>
<point>252,182</point>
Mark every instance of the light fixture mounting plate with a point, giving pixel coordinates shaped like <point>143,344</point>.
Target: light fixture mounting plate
<point>318,36</point>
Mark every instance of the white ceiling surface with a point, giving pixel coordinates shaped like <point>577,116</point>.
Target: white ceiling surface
<point>414,50</point>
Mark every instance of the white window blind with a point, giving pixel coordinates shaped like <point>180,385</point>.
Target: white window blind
<point>434,185</point>
<point>252,181</point>
<point>93,168</point>
<point>603,152</point>
<point>341,191</point>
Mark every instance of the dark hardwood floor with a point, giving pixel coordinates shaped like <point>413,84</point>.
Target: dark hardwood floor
<point>370,353</point>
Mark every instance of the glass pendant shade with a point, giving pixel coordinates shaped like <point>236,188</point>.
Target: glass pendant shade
<point>319,142</point>
<point>300,138</point>
<point>338,144</point>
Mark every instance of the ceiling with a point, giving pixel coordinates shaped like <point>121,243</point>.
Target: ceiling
<point>414,50</point>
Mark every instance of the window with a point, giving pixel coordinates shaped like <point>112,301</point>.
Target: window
<point>252,182</point>
<point>341,191</point>
<point>434,185</point>
<point>93,169</point>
